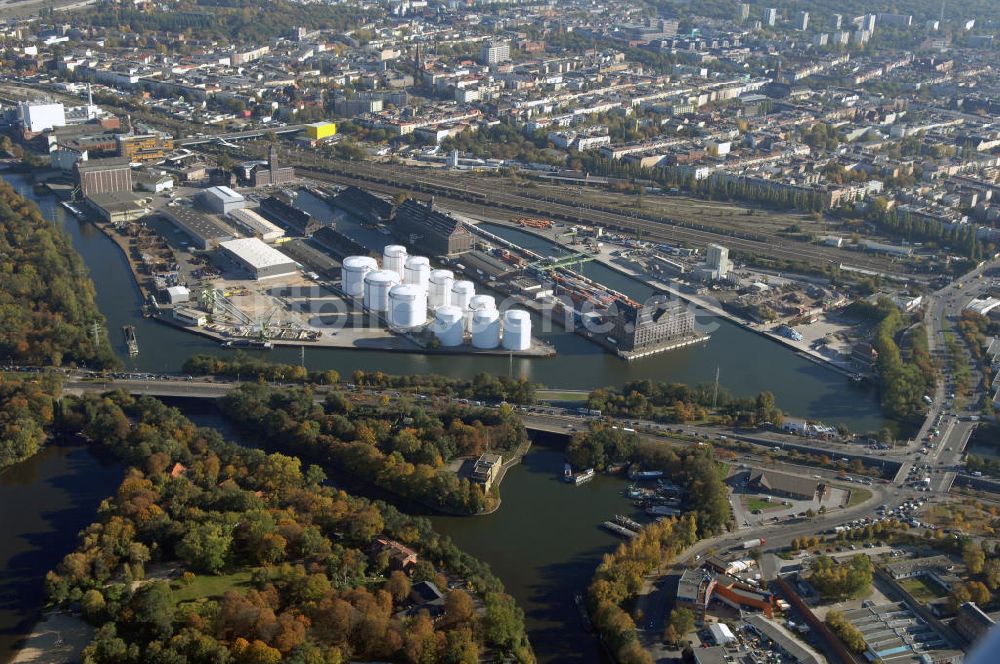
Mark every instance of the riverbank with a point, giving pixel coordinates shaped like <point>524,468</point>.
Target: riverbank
<point>362,339</point>
<point>57,639</point>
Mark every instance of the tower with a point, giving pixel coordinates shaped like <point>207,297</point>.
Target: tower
<point>272,158</point>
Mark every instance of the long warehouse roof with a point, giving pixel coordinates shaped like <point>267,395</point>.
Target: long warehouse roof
<point>255,253</point>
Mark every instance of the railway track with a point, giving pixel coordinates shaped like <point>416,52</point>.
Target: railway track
<point>475,199</point>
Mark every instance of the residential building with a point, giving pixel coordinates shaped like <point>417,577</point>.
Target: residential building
<point>401,557</point>
<point>770,16</point>
<point>495,52</point>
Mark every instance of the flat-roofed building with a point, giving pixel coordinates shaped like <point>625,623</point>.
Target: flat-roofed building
<point>145,147</point>
<point>206,232</point>
<point>487,469</point>
<point>259,259</point>
<point>222,200</point>
<point>253,224</point>
<point>119,207</point>
<point>189,316</point>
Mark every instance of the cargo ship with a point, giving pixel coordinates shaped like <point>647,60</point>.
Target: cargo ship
<point>130,340</point>
<point>259,344</point>
<point>74,210</point>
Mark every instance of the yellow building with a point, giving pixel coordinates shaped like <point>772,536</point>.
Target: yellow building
<point>145,147</point>
<point>320,130</point>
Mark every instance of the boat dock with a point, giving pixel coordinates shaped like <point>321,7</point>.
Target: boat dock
<point>626,522</point>
<point>619,530</point>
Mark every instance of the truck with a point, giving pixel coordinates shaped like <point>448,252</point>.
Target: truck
<point>749,544</point>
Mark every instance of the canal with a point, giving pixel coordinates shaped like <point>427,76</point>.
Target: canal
<point>747,362</point>
<point>46,500</point>
<point>544,543</point>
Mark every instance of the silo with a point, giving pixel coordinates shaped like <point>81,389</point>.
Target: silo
<point>394,258</point>
<point>486,328</point>
<point>461,293</point>
<point>352,274</point>
<point>407,306</point>
<point>449,325</point>
<point>377,285</point>
<point>482,302</point>
<point>516,330</point>
<point>439,288</point>
<point>417,271</point>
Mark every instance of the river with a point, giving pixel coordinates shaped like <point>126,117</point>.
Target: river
<point>747,362</point>
<point>543,543</point>
<point>46,501</point>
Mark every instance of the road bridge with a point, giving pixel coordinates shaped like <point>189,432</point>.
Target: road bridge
<point>250,134</point>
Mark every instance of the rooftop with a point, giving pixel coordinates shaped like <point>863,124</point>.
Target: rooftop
<point>253,251</point>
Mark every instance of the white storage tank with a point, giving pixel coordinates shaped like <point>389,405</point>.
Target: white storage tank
<point>482,302</point>
<point>486,328</point>
<point>394,259</point>
<point>449,325</point>
<point>439,288</point>
<point>417,271</point>
<point>407,306</point>
<point>461,293</point>
<point>377,285</point>
<point>352,274</point>
<point>516,330</point>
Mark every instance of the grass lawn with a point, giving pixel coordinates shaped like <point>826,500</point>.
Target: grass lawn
<point>754,503</point>
<point>724,469</point>
<point>858,496</point>
<point>921,590</point>
<point>209,586</point>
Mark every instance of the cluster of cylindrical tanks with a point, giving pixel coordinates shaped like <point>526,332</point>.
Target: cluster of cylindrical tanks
<point>405,289</point>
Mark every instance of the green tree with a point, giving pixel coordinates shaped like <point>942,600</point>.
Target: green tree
<point>205,547</point>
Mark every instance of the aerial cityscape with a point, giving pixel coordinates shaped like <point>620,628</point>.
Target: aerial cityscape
<point>550,331</point>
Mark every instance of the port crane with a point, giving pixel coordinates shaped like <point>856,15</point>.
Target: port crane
<point>549,264</point>
<point>215,302</point>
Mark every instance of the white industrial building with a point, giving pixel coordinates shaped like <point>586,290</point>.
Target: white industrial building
<point>253,224</point>
<point>222,200</point>
<point>260,260</point>
<point>41,116</point>
<point>178,294</point>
